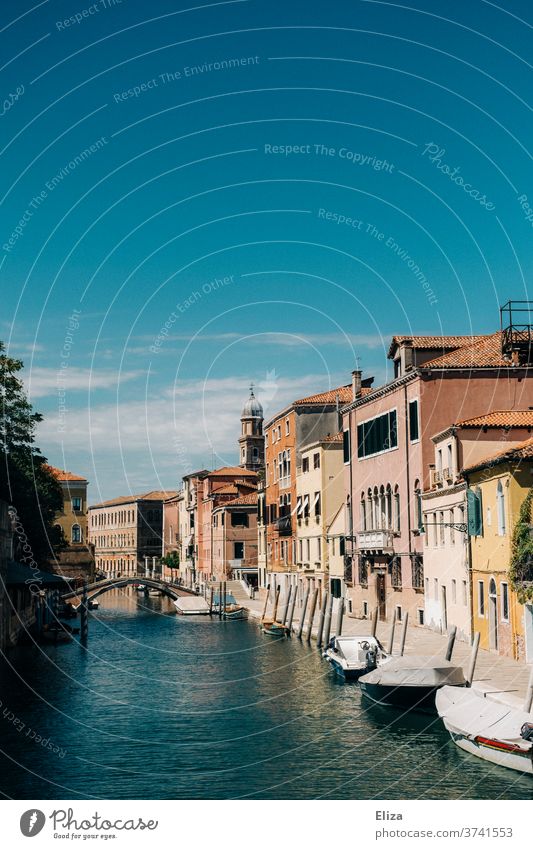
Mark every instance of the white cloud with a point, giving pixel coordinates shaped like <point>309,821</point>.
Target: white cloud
<point>42,381</point>
<point>158,440</point>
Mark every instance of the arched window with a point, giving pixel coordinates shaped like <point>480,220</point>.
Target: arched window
<point>382,508</point>
<point>369,511</point>
<point>419,521</point>
<point>376,508</point>
<point>363,513</point>
<point>76,533</point>
<point>397,508</point>
<point>500,505</point>
<point>388,496</point>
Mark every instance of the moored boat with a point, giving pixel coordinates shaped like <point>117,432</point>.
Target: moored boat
<point>411,682</point>
<point>351,657</point>
<point>231,610</point>
<point>489,730</point>
<point>274,629</point>
<point>57,632</point>
<point>191,605</point>
<point>93,605</point>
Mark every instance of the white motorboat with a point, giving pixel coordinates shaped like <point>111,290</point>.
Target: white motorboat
<point>411,682</point>
<point>352,657</point>
<point>192,605</point>
<point>487,729</point>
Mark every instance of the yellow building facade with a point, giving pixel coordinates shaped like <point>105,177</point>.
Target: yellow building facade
<point>496,491</point>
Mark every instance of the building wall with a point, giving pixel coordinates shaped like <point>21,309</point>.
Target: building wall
<point>443,399</point>
<point>491,553</point>
<point>312,551</point>
<point>446,564</point>
<point>69,517</point>
<point>274,488</point>
<point>125,534</point>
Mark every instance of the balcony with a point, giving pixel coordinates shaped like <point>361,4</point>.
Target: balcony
<point>283,525</point>
<point>379,540</point>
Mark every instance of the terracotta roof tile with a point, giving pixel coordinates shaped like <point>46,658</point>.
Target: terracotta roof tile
<point>152,495</point>
<point>426,343</point>
<point>500,418</point>
<point>237,471</point>
<point>336,437</point>
<point>485,352</point>
<point>329,397</point>
<point>243,500</point>
<point>61,475</point>
<point>522,451</point>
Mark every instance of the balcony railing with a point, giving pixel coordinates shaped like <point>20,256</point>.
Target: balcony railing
<point>379,540</point>
<point>283,525</point>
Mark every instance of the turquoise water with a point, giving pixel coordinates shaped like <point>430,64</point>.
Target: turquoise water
<point>164,707</point>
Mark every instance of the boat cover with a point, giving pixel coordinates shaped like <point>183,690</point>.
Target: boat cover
<point>416,672</point>
<point>191,603</point>
<point>230,599</point>
<point>350,649</point>
<point>476,716</point>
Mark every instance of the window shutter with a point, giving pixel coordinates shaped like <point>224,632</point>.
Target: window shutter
<point>473,503</point>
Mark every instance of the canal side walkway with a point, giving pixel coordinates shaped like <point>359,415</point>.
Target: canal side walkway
<point>504,679</point>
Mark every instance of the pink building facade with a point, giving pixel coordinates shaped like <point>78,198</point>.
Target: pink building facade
<point>388,454</point>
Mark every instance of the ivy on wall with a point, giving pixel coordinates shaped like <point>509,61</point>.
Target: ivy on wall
<point>521,566</point>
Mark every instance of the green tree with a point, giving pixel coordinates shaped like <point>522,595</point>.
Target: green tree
<point>172,560</point>
<point>26,482</point>
<point>521,567</point>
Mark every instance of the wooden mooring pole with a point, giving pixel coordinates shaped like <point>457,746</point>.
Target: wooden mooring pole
<point>220,600</point>
<point>340,616</point>
<point>211,601</point>
<point>286,608</point>
<point>451,642</point>
<point>374,625</point>
<point>314,600</point>
<point>404,633</point>
<point>266,601</point>
<point>276,602</point>
<point>392,630</point>
<point>291,610</point>
<point>472,663</point>
<point>84,617</point>
<point>302,614</point>
<point>321,619</point>
<point>327,620</point>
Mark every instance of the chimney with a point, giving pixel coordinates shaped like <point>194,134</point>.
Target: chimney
<point>356,383</point>
<point>406,355</point>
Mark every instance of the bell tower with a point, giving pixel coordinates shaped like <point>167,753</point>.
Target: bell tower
<point>251,440</point>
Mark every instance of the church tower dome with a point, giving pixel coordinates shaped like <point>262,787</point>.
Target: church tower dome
<point>251,440</point>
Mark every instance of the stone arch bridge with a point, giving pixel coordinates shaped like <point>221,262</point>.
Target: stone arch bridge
<point>173,591</point>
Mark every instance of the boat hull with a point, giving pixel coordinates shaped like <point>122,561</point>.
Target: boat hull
<point>241,613</point>
<point>275,630</point>
<point>495,752</point>
<point>348,674</point>
<point>406,698</point>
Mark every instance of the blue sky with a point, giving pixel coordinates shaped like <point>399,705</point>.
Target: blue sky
<point>247,191</point>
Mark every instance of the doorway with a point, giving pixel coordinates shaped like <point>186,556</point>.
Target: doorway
<point>493,616</point>
<point>444,609</point>
<point>381,596</point>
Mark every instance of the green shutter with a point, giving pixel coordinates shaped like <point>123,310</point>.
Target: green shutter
<point>473,503</point>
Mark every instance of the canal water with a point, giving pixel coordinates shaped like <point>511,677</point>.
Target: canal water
<point>161,706</point>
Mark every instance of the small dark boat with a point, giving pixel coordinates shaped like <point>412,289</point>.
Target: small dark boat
<point>57,632</point>
<point>410,683</point>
